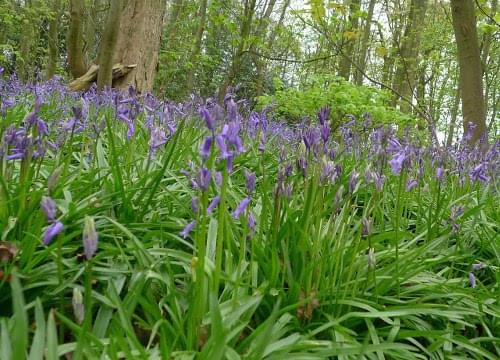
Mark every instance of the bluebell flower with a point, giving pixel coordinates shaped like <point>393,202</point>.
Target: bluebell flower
<point>90,237</point>
<point>323,115</point>
<point>205,148</point>
<point>209,120</point>
<point>472,280</point>
<point>203,179</point>
<point>49,208</point>
<point>187,230</point>
<point>411,184</point>
<point>397,162</point>
<point>240,208</point>
<point>52,231</point>
<point>250,181</point>
<point>213,204</point>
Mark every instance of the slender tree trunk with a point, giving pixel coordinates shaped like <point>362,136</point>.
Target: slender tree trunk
<point>404,80</point>
<point>195,53</point>
<point>246,27</point>
<point>350,42</point>
<point>24,63</point>
<point>108,45</point>
<point>172,27</point>
<point>92,31</point>
<point>139,42</point>
<point>365,42</point>
<point>53,37</point>
<point>390,57</point>
<point>76,61</point>
<point>469,61</point>
<point>260,65</point>
<point>453,120</point>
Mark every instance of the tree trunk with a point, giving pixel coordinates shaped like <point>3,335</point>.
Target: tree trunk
<point>76,61</point>
<point>469,61</point>
<point>108,45</point>
<point>246,27</point>
<point>139,42</point>
<point>453,120</point>
<point>350,41</point>
<point>92,32</point>
<point>260,65</point>
<point>24,63</point>
<point>390,57</point>
<point>404,80</point>
<point>364,44</point>
<point>53,37</point>
<point>195,53</point>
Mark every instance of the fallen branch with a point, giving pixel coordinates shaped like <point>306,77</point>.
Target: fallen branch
<point>85,81</point>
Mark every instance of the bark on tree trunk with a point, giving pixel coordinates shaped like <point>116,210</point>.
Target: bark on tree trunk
<point>139,42</point>
<point>469,61</point>
<point>350,42</point>
<point>108,45</point>
<point>364,44</point>
<point>76,61</point>
<point>453,120</point>
<point>53,37</point>
<point>404,80</point>
<point>246,26</point>
<point>261,32</point>
<point>195,53</point>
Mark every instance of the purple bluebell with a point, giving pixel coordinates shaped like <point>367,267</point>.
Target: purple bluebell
<point>325,133</point>
<point>302,165</point>
<point>90,237</point>
<point>472,280</point>
<point>250,181</point>
<point>411,184</point>
<point>218,178</point>
<point>157,139</point>
<point>397,162</point>
<point>478,173</point>
<point>366,226</point>
<point>231,132</point>
<point>378,180</point>
<point>203,179</point>
<point>205,147</point>
<point>323,115</point>
<point>232,107</point>
<point>52,231</point>
<point>209,120</point>
<point>439,173</point>
<point>213,204</point>
<point>49,208</point>
<point>353,181</point>
<point>194,204</point>
<point>240,208</point>
<point>187,229</point>
<point>478,266</point>
<point>251,222</point>
<point>221,144</point>
<point>455,213</point>
<point>262,142</point>
<point>310,138</point>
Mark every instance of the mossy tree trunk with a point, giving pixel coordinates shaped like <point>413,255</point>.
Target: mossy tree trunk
<point>139,42</point>
<point>469,62</point>
<point>108,45</point>
<point>75,44</point>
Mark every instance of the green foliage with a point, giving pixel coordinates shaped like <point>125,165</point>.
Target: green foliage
<point>341,96</point>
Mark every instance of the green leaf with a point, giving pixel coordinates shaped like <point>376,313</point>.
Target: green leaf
<point>20,330</point>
